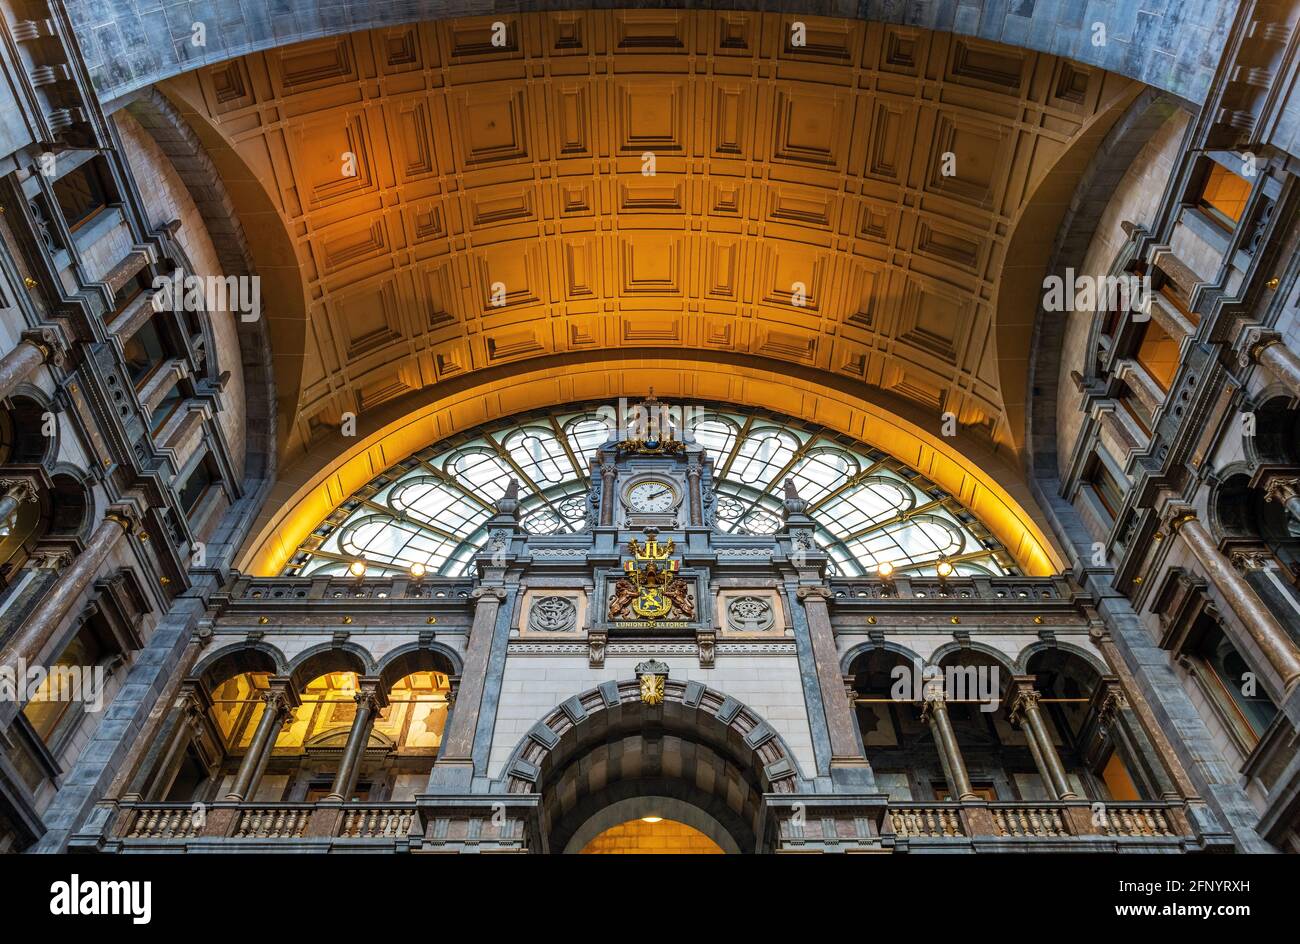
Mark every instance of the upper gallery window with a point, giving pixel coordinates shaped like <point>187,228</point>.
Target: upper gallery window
<point>1158,354</point>
<point>82,192</point>
<point>1224,195</point>
<point>432,508</point>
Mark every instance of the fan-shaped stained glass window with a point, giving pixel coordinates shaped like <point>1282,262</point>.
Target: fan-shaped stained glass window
<point>432,509</point>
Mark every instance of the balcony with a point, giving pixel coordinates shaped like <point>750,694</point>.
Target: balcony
<point>452,824</point>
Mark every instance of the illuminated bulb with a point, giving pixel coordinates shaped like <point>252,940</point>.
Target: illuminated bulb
<point>652,819</point>
<point>943,568</point>
<point>417,570</point>
<point>885,569</point>
<point>357,568</point>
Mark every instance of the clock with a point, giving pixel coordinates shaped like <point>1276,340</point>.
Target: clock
<point>651,497</point>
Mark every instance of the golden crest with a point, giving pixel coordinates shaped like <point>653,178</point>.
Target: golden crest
<point>652,603</point>
<point>652,689</point>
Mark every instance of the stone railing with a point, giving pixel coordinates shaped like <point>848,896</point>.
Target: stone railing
<point>377,822</point>
<point>931,822</point>
<point>1038,820</point>
<point>245,821</point>
<point>903,587</point>
<point>349,588</point>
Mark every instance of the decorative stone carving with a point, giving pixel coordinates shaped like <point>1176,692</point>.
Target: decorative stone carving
<point>553,615</point>
<point>750,614</point>
<point>707,648</point>
<point>652,674</point>
<point>596,649</point>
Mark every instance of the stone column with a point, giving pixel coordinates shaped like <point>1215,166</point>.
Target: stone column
<point>693,492</point>
<point>133,776</point>
<point>1271,637</point>
<point>1284,491</point>
<point>458,740</point>
<point>188,726</point>
<point>50,614</point>
<point>935,711</point>
<point>1024,708</point>
<point>279,705</point>
<point>1267,349</point>
<point>38,346</point>
<point>845,747</point>
<point>369,700</point>
<point>17,492</point>
<point>607,494</point>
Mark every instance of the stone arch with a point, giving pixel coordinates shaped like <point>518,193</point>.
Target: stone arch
<point>951,649</point>
<point>329,657</point>
<point>865,648</point>
<point>1123,141</point>
<point>225,663</point>
<point>418,657</point>
<point>620,811</point>
<point>222,216</point>
<point>72,502</point>
<point>23,427</point>
<point>1091,659</point>
<point>699,746</point>
<point>1276,438</point>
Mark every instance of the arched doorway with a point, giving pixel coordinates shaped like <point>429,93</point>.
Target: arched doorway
<point>605,759</point>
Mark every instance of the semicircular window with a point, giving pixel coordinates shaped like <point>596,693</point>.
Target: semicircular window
<point>432,509</point>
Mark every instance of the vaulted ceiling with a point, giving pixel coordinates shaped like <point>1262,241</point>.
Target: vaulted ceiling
<point>800,210</point>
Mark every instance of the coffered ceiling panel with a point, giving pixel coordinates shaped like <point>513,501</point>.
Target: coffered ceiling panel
<point>650,180</point>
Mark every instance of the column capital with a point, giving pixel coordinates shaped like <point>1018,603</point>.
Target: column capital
<point>127,517</point>
<point>488,594</point>
<point>20,488</point>
<point>371,691</point>
<point>1282,488</point>
<point>804,594</point>
<point>1024,701</point>
<point>1252,342</point>
<point>1248,559</point>
<point>49,341</point>
<point>1175,516</point>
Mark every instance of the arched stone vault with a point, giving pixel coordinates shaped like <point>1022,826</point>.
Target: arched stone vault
<point>845,207</point>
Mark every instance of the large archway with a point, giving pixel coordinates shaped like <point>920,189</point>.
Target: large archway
<point>700,758</point>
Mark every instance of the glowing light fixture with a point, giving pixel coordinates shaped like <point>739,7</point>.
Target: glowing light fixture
<point>943,569</point>
<point>652,819</point>
<point>418,570</point>
<point>357,568</point>
<point>885,570</point>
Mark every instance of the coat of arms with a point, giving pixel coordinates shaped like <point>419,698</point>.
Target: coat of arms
<point>651,588</point>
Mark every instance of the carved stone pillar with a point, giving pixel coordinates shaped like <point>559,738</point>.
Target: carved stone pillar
<point>369,700</point>
<point>606,494</point>
<point>1273,640</point>
<point>16,493</point>
<point>693,491</point>
<point>1025,710</point>
<point>133,776</point>
<point>1267,349</point>
<point>1285,490</point>
<point>935,711</point>
<point>188,726</point>
<point>845,748</point>
<point>458,741</point>
<point>53,610</point>
<point>39,346</point>
<point>280,702</point>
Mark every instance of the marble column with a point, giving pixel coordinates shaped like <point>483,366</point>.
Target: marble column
<point>845,746</point>
<point>935,711</point>
<point>279,704</point>
<point>1286,492</point>
<point>17,492</point>
<point>38,346</point>
<point>1271,637</point>
<point>37,630</point>
<point>134,775</point>
<point>369,700</point>
<point>188,726</point>
<point>458,740</point>
<point>693,471</point>
<point>607,498</point>
<point>1267,349</point>
<point>1025,710</point>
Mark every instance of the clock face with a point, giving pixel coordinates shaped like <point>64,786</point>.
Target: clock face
<point>651,497</point>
